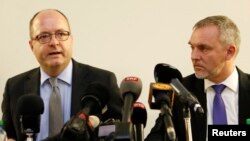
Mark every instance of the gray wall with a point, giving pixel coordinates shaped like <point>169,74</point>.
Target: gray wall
<point>128,37</point>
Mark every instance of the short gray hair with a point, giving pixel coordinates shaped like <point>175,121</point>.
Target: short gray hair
<point>229,32</point>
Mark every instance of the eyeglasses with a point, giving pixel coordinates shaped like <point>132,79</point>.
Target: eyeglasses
<point>44,38</point>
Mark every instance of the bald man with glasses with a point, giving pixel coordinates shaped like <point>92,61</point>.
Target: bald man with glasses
<point>51,42</point>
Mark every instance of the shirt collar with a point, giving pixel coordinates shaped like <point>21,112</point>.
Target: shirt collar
<point>231,81</point>
<point>65,75</point>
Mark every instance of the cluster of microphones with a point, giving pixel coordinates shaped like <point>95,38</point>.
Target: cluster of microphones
<point>85,125</point>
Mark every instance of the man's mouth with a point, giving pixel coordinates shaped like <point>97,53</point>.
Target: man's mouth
<point>54,53</point>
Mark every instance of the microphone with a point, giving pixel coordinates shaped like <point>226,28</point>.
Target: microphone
<point>162,93</point>
<point>94,121</point>
<point>82,125</point>
<point>130,89</point>
<point>95,99</point>
<point>29,110</point>
<point>139,120</point>
<point>78,128</point>
<point>166,73</point>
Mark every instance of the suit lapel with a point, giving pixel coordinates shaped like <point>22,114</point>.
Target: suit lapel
<point>200,120</point>
<point>79,84</point>
<point>32,85</point>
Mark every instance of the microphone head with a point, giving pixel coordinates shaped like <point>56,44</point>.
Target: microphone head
<point>94,121</point>
<point>132,85</point>
<point>139,115</point>
<point>99,94</point>
<point>30,104</point>
<point>80,128</point>
<point>29,109</point>
<point>159,93</point>
<point>164,73</point>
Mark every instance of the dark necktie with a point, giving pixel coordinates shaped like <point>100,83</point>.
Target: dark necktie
<point>219,110</point>
<point>55,109</point>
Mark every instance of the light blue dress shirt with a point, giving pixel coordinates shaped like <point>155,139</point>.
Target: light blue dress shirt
<point>65,86</point>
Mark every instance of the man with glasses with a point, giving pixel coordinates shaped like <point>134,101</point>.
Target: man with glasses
<point>44,38</point>
<point>51,42</point>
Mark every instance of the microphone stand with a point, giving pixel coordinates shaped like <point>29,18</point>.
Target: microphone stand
<point>187,122</point>
<point>124,132</point>
<point>29,137</point>
<point>167,119</point>
<point>139,132</point>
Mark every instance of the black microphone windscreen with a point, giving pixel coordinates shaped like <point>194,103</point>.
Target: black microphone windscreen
<point>29,110</point>
<point>164,73</point>
<point>98,93</point>
<point>30,104</point>
<point>131,85</point>
<point>139,115</point>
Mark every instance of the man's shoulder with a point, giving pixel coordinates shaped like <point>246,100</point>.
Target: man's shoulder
<point>244,74</point>
<point>192,82</point>
<point>190,77</point>
<point>25,74</point>
<point>89,68</point>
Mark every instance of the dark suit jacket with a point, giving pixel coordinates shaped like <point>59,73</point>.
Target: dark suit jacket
<point>199,122</point>
<point>29,83</point>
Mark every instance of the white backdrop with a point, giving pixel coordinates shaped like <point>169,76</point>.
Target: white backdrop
<point>128,37</point>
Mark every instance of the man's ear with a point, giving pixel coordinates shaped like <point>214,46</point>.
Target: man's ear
<point>31,44</point>
<point>231,52</point>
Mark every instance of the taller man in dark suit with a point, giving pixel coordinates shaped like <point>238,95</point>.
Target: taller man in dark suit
<point>51,42</point>
<point>214,43</point>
